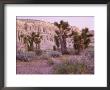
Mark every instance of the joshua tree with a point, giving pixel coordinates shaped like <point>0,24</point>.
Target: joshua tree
<point>57,41</point>
<point>18,35</point>
<point>37,40</point>
<point>27,40</point>
<point>76,41</point>
<point>85,35</point>
<point>62,34</point>
<point>30,39</point>
<point>81,41</point>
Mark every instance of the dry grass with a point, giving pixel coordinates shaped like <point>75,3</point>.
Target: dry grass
<point>71,69</point>
<point>33,67</point>
<point>64,64</point>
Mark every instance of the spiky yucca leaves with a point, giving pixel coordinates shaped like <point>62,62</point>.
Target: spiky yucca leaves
<point>81,41</point>
<point>76,41</point>
<point>85,35</point>
<point>29,40</point>
<point>37,40</point>
<point>62,34</point>
<point>23,38</point>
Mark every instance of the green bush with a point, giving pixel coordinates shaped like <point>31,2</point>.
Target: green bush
<point>50,61</point>
<point>71,51</point>
<point>54,54</point>
<point>44,57</point>
<point>38,52</point>
<point>71,69</point>
<point>25,56</point>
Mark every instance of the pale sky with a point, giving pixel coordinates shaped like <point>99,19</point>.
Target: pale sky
<point>79,21</point>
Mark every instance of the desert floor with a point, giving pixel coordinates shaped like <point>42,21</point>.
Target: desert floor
<point>43,66</point>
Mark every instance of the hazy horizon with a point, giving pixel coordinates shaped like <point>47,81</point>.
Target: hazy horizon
<point>79,21</point>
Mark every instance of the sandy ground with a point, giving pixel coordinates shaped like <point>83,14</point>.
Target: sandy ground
<point>33,67</point>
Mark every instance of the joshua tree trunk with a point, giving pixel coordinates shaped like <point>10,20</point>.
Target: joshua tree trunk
<point>38,50</point>
<point>65,48</point>
<point>63,42</point>
<point>31,47</point>
<point>36,46</point>
<point>39,46</point>
<point>63,45</point>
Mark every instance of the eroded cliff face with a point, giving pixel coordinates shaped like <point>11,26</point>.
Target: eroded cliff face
<point>46,29</point>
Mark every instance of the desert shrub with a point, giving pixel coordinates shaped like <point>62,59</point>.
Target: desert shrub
<point>60,69</point>
<point>70,59</point>
<point>54,48</point>
<point>77,64</point>
<point>91,54</point>
<point>65,59</point>
<point>77,68</point>
<point>70,51</point>
<point>25,56</point>
<point>44,57</point>
<point>38,52</point>
<point>54,53</point>
<point>91,69</point>
<point>50,61</point>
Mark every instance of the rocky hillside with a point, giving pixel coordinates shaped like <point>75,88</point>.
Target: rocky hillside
<point>46,29</point>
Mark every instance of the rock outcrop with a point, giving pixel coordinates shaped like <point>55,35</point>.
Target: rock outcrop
<point>46,29</point>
